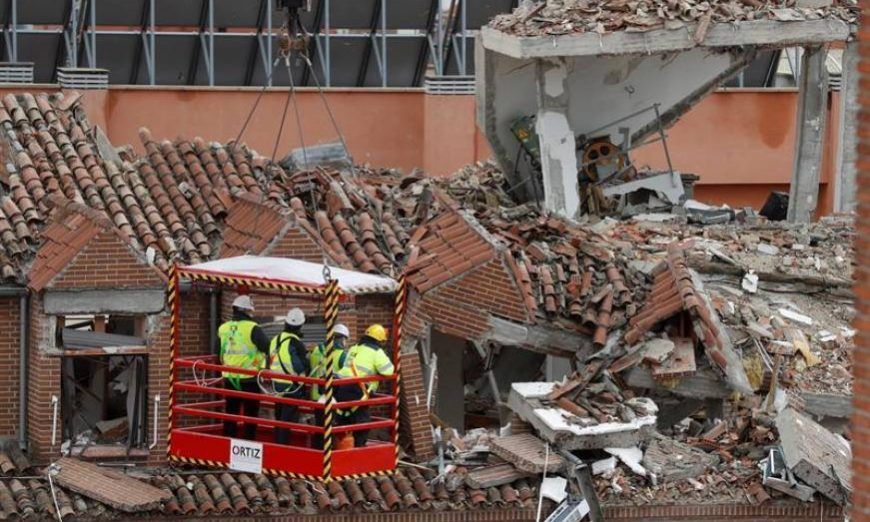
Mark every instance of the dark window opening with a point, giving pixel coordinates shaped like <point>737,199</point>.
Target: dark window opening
<point>104,401</point>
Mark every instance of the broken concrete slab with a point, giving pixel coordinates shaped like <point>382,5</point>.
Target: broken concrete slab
<point>528,453</point>
<point>494,476</point>
<point>799,491</point>
<point>704,384</point>
<point>109,487</point>
<point>671,460</point>
<point>828,405</point>
<point>552,423</point>
<point>816,456</point>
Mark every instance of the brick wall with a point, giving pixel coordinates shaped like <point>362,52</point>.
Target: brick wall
<point>372,309</point>
<point>158,383</point>
<point>415,431</point>
<point>462,307</point>
<point>790,511</point>
<point>492,515</point>
<point>194,328</point>
<point>107,262</point>
<point>43,376</point>
<point>295,244</point>
<point>861,366</point>
<point>10,363</point>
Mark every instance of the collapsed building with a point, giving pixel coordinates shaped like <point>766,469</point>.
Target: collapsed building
<point>696,370</point>
<point>503,293</point>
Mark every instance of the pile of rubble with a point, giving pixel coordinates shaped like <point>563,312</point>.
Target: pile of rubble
<point>556,17</point>
<point>728,381</point>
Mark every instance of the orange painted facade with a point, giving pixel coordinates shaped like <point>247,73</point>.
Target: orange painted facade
<point>741,142</point>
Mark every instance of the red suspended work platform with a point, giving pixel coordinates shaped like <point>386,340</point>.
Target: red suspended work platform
<point>197,396</point>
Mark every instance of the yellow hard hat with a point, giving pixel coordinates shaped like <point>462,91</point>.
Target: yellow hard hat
<point>377,332</point>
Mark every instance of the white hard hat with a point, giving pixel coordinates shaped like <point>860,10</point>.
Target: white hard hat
<point>295,317</point>
<point>342,330</point>
<point>243,302</point>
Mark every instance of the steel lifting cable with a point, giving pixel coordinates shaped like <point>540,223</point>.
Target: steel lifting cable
<point>266,83</point>
<point>327,275</point>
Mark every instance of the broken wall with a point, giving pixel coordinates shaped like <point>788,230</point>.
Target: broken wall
<point>579,95</point>
<point>462,307</point>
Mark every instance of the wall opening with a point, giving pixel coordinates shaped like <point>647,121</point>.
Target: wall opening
<point>104,402</point>
<point>104,376</point>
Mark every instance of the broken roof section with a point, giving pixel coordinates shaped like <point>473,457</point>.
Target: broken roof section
<point>617,72</point>
<point>592,27</point>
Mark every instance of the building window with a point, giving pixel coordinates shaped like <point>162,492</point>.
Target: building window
<point>104,401</point>
<point>103,384</point>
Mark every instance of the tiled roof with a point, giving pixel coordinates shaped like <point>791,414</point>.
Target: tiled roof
<point>72,226</point>
<point>175,199</point>
<point>203,494</point>
<point>448,246</point>
<point>568,273</point>
<point>193,201</point>
<point>250,226</point>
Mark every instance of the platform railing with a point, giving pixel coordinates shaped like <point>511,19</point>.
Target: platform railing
<point>207,363</point>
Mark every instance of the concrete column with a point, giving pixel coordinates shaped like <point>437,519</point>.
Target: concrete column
<point>811,120</point>
<point>845,186</point>
<point>558,146</point>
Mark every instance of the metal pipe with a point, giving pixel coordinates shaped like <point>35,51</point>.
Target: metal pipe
<point>211,71</point>
<point>152,67</point>
<point>384,60</point>
<point>14,31</point>
<point>624,118</point>
<point>463,6</point>
<point>24,325</point>
<point>327,64</point>
<point>73,60</point>
<point>54,405</point>
<point>664,140</point>
<point>268,73</point>
<point>433,370</point>
<point>93,31</point>
<point>156,409</point>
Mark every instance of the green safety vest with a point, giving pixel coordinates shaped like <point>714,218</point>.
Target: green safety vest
<point>237,349</point>
<point>350,370</point>
<point>317,358</point>
<point>370,361</point>
<point>364,361</point>
<point>280,359</point>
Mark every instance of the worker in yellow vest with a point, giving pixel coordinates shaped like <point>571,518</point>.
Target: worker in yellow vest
<point>364,359</point>
<point>287,355</point>
<point>317,361</point>
<point>243,344</point>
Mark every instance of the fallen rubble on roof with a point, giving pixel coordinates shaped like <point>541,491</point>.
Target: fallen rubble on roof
<point>591,421</point>
<point>537,18</point>
<point>107,486</point>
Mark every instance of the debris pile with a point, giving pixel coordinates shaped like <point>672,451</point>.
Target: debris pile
<point>556,17</point>
<point>737,332</point>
